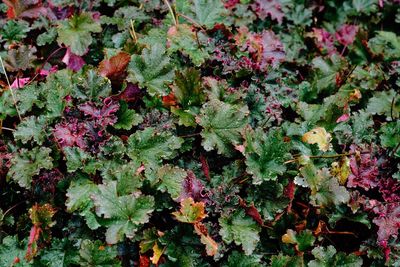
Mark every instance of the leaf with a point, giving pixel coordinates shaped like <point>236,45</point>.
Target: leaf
<point>171,179</point>
<point>302,240</point>
<point>27,163</point>
<point>382,102</point>
<point>127,118</point>
<point>208,12</point>
<point>266,8</point>
<point>320,137</point>
<point>150,148</point>
<point>327,257</point>
<point>222,125</point>
<point>151,69</point>
<point>91,86</point>
<point>240,259</point>
<point>265,154</point>
<point>364,170</point>
<point>341,170</point>
<point>78,199</point>
<point>206,239</point>
<point>390,134</point>
<point>387,44</point>
<point>125,213</point>
<point>325,190</point>
<point>76,32</point>
<point>188,89</point>
<point>240,229</point>
<point>190,212</point>
<point>182,38</point>
<point>31,128</point>
<point>286,261</point>
<point>11,249</point>
<point>346,34</point>
<point>94,253</point>
<point>114,68</point>
<point>14,30</point>
<point>20,58</point>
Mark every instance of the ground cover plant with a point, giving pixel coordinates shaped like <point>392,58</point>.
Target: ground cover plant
<point>199,133</point>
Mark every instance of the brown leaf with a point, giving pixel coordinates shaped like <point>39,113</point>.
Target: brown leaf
<point>115,67</point>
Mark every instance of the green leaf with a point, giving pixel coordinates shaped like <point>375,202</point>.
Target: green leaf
<point>188,89</point>
<point>327,257</point>
<point>14,30</point>
<point>46,37</point>
<point>265,154</point>
<point>222,125</point>
<point>127,118</point>
<point>384,103</point>
<point>182,38</point>
<point>286,261</point>
<point>31,128</point>
<point>125,213</point>
<point>79,159</point>
<point>390,134</point>
<point>171,179</point>
<point>11,248</point>
<point>151,69</point>
<point>95,253</point>
<point>241,229</point>
<point>76,32</point>
<point>325,189</point>
<point>208,12</point>
<point>302,240</point>
<point>91,86</point>
<point>239,259</point>
<point>78,199</point>
<point>27,163</point>
<point>150,148</point>
<point>386,44</point>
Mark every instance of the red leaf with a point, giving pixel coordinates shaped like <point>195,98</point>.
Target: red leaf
<point>169,100</point>
<point>32,242</point>
<point>252,212</point>
<point>115,67</point>
<point>24,9</point>
<point>70,134</point>
<point>144,261</point>
<point>205,167</point>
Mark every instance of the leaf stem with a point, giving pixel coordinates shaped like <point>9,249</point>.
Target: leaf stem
<point>11,90</point>
<point>172,12</point>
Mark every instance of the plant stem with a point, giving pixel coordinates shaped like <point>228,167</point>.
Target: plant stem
<point>11,90</point>
<point>172,12</point>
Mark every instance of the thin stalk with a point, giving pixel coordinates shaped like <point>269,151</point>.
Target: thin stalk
<point>11,90</point>
<point>172,12</point>
<point>133,32</point>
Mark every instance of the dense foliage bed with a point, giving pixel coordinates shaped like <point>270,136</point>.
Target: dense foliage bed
<point>199,133</point>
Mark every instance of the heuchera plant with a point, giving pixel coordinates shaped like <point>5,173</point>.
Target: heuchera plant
<point>199,133</point>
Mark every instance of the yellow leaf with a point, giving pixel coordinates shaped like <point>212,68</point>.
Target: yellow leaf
<point>190,212</point>
<point>341,170</point>
<point>289,237</point>
<point>206,239</point>
<point>157,253</point>
<point>318,136</point>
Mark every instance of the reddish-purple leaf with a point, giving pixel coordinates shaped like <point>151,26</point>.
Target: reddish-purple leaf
<point>73,61</point>
<point>346,34</point>
<point>70,134</point>
<point>268,8</point>
<point>325,40</point>
<point>364,170</point>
